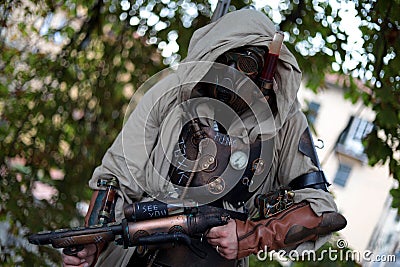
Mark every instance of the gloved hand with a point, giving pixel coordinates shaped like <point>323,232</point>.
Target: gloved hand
<point>288,228</point>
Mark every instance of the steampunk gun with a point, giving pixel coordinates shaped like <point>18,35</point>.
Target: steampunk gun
<point>147,223</point>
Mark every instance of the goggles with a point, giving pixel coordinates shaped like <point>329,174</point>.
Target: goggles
<point>248,60</point>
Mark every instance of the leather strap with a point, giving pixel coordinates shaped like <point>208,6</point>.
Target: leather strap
<point>306,146</point>
<point>315,180</point>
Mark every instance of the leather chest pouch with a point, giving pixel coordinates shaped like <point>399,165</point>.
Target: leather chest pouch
<point>210,166</point>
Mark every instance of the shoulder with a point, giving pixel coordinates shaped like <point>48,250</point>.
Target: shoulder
<point>155,97</point>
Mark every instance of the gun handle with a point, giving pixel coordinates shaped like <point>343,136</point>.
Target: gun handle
<point>73,250</point>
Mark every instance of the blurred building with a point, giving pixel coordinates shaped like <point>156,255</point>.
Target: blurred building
<point>385,240</point>
<point>360,190</point>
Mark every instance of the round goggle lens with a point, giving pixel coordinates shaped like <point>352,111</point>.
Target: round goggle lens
<point>247,65</point>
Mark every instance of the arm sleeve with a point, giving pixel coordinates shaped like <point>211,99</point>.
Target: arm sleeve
<point>127,157</point>
<point>310,204</point>
<point>292,163</point>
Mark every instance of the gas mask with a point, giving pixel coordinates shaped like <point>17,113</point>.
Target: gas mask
<point>243,63</point>
<point>248,60</point>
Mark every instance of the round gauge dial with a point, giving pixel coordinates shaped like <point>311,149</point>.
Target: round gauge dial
<point>238,160</point>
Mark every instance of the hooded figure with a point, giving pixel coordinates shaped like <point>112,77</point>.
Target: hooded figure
<point>141,156</point>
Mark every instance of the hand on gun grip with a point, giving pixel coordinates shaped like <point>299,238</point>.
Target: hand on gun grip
<point>224,239</point>
<point>83,258</point>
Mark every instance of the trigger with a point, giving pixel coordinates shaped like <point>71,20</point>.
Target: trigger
<point>73,251</point>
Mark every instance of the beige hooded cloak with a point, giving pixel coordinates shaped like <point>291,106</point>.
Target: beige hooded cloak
<point>139,155</point>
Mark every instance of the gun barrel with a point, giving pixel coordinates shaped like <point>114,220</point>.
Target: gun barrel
<point>220,10</point>
<point>194,221</point>
<point>76,236</point>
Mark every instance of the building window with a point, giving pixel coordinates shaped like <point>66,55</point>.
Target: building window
<point>342,174</point>
<point>362,129</point>
<point>350,140</point>
<point>312,112</point>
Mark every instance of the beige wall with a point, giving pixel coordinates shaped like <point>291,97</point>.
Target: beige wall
<point>362,199</point>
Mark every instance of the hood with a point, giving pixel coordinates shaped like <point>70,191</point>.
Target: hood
<point>236,29</point>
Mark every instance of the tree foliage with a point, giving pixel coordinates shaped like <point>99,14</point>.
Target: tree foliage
<point>69,68</point>
<point>323,45</point>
